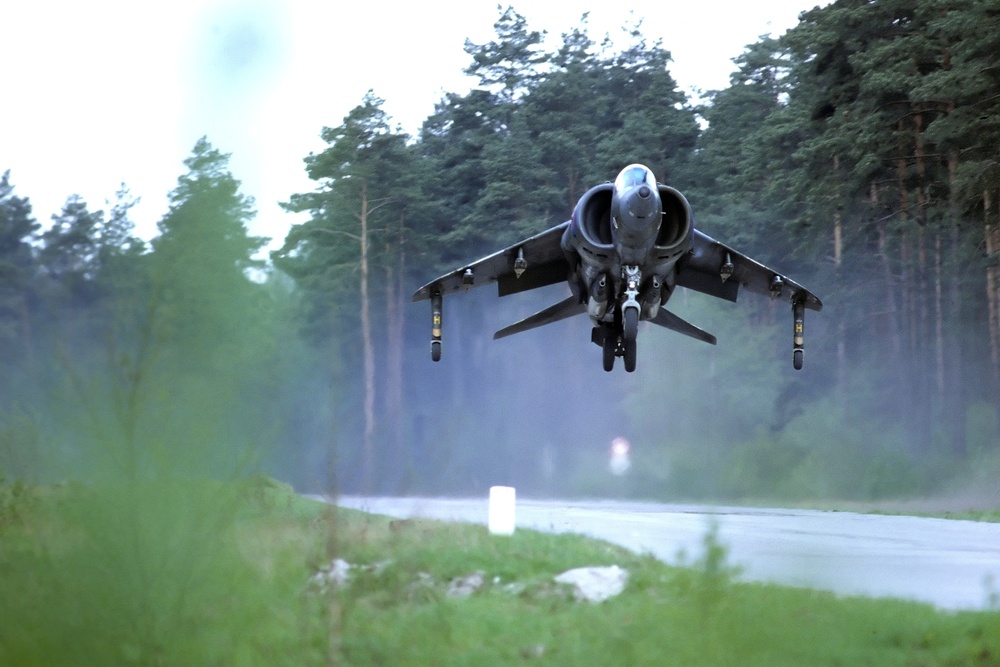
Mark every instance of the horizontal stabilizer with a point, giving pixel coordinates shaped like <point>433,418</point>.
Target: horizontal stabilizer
<point>559,311</point>
<point>667,319</point>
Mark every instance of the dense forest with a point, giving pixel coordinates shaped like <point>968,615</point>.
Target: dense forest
<point>857,153</point>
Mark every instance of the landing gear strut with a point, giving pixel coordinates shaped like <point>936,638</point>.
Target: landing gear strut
<point>630,315</point>
<point>617,338</point>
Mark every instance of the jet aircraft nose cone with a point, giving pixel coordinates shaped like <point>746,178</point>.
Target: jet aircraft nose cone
<point>644,192</point>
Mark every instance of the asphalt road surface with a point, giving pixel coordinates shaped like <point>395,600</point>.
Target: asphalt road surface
<point>950,564</point>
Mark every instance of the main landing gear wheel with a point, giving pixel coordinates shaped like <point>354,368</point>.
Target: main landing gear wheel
<point>609,347</point>
<point>630,329</point>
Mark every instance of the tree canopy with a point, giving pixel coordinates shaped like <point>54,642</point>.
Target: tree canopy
<point>856,152</point>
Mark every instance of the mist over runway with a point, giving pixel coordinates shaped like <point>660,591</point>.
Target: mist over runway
<point>947,563</point>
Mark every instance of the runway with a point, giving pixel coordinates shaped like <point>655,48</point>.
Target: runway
<point>950,564</point>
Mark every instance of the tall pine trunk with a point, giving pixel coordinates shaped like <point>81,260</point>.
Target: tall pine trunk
<point>955,379</point>
<point>913,256</point>
<point>931,309</point>
<point>395,270</point>
<point>368,352</point>
<point>992,238</point>
<point>838,258</point>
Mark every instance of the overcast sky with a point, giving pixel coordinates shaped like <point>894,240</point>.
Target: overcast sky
<point>102,92</point>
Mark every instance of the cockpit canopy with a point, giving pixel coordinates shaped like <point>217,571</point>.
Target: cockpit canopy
<point>634,175</point>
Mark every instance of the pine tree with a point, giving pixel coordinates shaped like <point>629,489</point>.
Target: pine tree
<point>18,270</point>
<point>362,178</point>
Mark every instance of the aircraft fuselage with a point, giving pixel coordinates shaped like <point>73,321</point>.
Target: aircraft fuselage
<point>631,231</point>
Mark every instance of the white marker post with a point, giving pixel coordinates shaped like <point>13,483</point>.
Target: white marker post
<point>502,500</point>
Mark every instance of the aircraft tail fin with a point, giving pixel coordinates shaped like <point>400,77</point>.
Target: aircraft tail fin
<point>665,318</point>
<point>560,311</point>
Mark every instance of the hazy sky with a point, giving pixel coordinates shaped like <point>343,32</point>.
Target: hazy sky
<point>108,91</point>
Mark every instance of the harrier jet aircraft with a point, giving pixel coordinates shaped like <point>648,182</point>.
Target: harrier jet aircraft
<point>627,247</point>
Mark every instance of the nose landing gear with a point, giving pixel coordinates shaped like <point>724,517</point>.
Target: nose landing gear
<point>617,338</point>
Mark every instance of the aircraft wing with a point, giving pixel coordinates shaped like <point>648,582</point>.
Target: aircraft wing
<point>716,269</point>
<point>534,262</point>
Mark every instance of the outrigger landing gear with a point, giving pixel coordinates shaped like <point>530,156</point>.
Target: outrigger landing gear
<point>798,338</point>
<point>436,326</point>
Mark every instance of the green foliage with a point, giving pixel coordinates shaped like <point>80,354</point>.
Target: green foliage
<point>709,579</point>
<point>199,265</point>
<point>165,572</point>
<point>188,572</point>
<point>17,272</point>
<point>145,362</point>
<point>191,333</point>
<point>843,144</point>
<point>17,500</point>
<point>145,562</point>
<point>509,64</point>
<point>395,607</point>
<point>856,153</point>
<point>69,252</point>
<point>818,454</point>
<point>809,461</point>
<point>365,165</point>
<point>982,429</point>
<point>22,453</point>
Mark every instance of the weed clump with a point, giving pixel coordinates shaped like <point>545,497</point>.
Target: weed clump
<point>17,501</point>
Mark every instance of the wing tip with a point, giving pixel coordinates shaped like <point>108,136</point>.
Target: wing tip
<point>813,302</point>
<point>426,291</point>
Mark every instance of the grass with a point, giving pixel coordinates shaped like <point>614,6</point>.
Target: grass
<point>204,573</point>
<point>944,509</point>
<point>985,516</point>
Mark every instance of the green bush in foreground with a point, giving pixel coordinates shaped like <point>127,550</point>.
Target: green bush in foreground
<point>207,573</point>
<point>176,573</point>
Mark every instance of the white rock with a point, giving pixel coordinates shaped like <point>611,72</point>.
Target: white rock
<point>595,584</point>
<point>378,568</point>
<point>423,589</point>
<point>336,573</point>
<point>463,587</point>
